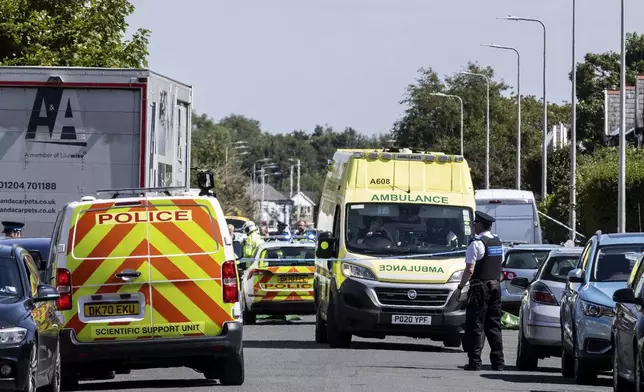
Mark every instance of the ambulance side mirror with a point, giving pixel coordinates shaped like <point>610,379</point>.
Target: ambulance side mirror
<point>327,246</point>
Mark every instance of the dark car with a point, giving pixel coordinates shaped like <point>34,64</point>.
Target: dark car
<point>38,248</point>
<point>627,332</point>
<point>29,327</point>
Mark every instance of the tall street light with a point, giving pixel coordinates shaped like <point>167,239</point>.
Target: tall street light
<point>544,156</point>
<point>298,164</point>
<point>487,128</point>
<point>461,102</point>
<point>495,46</point>
<point>263,173</point>
<point>573,133</point>
<point>621,187</point>
<point>253,177</point>
<point>241,146</point>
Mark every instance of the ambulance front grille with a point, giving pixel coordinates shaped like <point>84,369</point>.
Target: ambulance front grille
<point>401,296</point>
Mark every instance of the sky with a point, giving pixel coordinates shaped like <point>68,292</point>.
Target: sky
<point>296,64</point>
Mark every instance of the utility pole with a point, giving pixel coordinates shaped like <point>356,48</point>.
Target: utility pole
<point>291,182</point>
<point>298,186</point>
<point>573,135</point>
<point>621,187</point>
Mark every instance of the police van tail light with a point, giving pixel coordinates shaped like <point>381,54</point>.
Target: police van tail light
<point>64,286</point>
<point>540,293</point>
<point>229,282</point>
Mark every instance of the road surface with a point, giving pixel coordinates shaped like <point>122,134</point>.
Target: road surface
<point>283,356</point>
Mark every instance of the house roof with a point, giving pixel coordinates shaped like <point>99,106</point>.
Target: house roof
<point>310,196</point>
<point>270,193</point>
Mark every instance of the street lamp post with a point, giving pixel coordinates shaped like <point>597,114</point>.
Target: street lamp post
<point>262,171</point>
<point>239,145</point>
<point>461,102</point>
<point>298,164</point>
<point>621,187</point>
<point>573,133</point>
<point>518,175</point>
<point>544,156</point>
<point>487,128</point>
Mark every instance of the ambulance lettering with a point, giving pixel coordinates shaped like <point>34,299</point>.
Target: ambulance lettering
<point>143,217</point>
<point>410,268</point>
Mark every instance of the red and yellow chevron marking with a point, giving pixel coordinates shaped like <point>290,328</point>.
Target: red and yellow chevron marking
<point>268,287</point>
<point>173,243</point>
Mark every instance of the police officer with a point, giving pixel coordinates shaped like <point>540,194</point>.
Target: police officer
<point>483,260</point>
<point>252,242</point>
<point>13,229</point>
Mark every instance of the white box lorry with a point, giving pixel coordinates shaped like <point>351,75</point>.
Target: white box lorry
<point>67,132</point>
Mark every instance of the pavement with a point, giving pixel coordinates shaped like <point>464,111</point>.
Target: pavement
<point>282,356</point>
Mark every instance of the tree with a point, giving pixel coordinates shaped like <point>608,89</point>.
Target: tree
<point>597,73</point>
<point>78,33</point>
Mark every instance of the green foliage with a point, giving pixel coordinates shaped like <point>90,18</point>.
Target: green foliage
<point>77,33</point>
<point>597,190</point>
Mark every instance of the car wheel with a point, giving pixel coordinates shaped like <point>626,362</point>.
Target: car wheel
<point>453,341</point>
<point>31,385</point>
<point>336,337</point>
<point>233,370</point>
<point>249,317</point>
<point>320,327</point>
<point>583,374</point>
<point>567,361</point>
<point>527,358</point>
<point>54,384</point>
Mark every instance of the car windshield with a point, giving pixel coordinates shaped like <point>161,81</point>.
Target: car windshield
<point>557,267</point>
<point>10,282</point>
<point>237,223</point>
<point>288,256</point>
<point>525,259</point>
<point>614,263</point>
<point>403,228</point>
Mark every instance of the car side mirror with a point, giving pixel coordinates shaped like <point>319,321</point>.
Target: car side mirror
<point>520,282</point>
<point>625,296</point>
<point>326,246</point>
<point>576,276</point>
<point>46,293</point>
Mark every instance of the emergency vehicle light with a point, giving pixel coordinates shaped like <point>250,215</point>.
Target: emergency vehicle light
<point>357,154</point>
<point>444,158</point>
<point>387,155</point>
<point>430,158</point>
<point>374,155</point>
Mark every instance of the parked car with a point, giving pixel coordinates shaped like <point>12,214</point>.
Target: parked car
<point>539,324</point>
<point>38,248</point>
<point>628,331</point>
<point>587,306</point>
<point>29,327</point>
<point>520,261</point>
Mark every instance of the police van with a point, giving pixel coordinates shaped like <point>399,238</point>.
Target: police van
<point>147,281</point>
<point>393,226</point>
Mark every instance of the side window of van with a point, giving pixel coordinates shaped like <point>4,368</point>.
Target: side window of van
<point>336,222</point>
<point>48,275</point>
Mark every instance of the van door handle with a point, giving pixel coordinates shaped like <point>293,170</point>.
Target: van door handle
<point>128,275</point>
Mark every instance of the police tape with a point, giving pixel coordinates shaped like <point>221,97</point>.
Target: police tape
<point>413,256</point>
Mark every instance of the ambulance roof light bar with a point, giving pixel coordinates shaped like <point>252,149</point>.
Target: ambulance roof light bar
<point>139,191</point>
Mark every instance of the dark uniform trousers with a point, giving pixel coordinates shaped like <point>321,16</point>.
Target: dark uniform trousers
<point>483,315</point>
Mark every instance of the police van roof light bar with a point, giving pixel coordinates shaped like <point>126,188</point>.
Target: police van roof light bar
<point>131,191</point>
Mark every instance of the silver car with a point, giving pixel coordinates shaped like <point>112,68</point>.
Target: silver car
<point>520,261</point>
<point>539,325</point>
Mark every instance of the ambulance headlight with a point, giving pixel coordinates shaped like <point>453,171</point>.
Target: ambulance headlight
<point>356,271</point>
<point>456,277</point>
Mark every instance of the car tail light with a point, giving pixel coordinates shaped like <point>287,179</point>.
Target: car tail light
<point>508,275</point>
<point>64,286</point>
<point>229,282</point>
<point>540,293</point>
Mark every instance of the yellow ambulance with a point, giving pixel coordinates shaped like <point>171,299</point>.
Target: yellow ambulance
<point>393,227</point>
<point>147,282</point>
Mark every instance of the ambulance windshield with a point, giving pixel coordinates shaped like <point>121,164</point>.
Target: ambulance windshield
<point>395,228</point>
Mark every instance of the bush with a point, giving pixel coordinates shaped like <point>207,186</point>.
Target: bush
<point>597,190</point>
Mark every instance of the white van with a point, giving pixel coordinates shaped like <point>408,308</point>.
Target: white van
<point>515,211</point>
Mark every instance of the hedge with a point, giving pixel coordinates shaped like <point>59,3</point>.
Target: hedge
<point>597,179</point>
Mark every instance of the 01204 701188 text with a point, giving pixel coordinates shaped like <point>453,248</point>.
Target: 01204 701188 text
<point>28,185</point>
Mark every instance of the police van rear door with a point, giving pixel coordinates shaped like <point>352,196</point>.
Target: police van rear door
<point>109,265</point>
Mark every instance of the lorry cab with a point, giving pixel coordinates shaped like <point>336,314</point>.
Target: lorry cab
<point>393,226</point>
<point>516,214</point>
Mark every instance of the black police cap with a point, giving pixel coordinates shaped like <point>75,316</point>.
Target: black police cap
<point>484,218</point>
<point>12,226</point>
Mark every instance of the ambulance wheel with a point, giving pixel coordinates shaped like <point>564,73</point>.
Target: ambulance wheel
<point>233,370</point>
<point>320,327</point>
<point>336,337</point>
<point>453,341</point>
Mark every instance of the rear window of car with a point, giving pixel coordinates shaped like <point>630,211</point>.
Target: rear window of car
<point>288,256</point>
<point>558,267</point>
<point>525,259</point>
<point>237,223</point>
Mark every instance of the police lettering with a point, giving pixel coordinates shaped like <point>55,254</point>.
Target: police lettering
<point>286,286</point>
<point>143,217</point>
